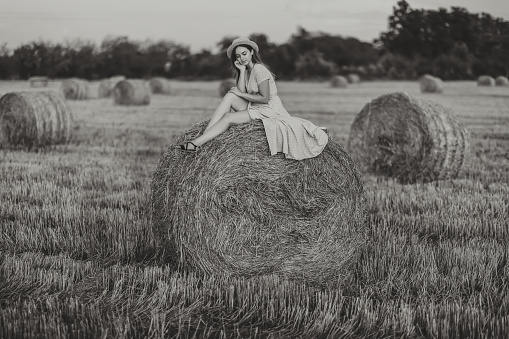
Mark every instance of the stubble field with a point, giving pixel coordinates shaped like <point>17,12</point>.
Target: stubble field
<point>78,257</point>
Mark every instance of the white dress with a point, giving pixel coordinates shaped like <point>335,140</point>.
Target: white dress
<point>295,137</point>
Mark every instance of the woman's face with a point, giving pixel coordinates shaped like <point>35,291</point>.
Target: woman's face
<point>243,55</point>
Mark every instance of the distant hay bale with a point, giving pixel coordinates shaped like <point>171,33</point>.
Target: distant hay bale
<point>225,86</point>
<point>502,81</point>
<point>131,92</point>
<point>160,86</point>
<point>34,119</point>
<point>39,81</point>
<point>339,81</point>
<point>106,86</point>
<point>232,209</point>
<point>485,80</point>
<point>353,79</point>
<point>431,84</point>
<point>411,140</point>
<point>75,89</point>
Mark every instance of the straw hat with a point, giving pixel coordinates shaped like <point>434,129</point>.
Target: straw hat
<point>241,41</point>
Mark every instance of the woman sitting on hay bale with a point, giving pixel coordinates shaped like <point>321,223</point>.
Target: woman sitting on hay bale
<point>255,97</point>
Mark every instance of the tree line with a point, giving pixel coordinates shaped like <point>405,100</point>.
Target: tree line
<point>452,44</point>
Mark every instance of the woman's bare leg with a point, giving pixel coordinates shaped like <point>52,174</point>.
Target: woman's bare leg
<point>221,126</point>
<point>230,101</point>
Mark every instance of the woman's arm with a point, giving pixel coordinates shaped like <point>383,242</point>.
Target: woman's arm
<point>241,84</point>
<point>261,98</point>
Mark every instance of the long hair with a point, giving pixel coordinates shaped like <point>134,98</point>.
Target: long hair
<point>256,60</point>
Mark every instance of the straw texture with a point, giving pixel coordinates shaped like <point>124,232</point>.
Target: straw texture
<point>409,139</point>
<point>75,89</point>
<point>431,84</point>
<point>485,80</point>
<point>106,86</point>
<point>339,81</point>
<point>131,92</point>
<point>502,81</point>
<point>33,119</point>
<point>232,209</point>
<point>160,86</point>
<point>225,86</point>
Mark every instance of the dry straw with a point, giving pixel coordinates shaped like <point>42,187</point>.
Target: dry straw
<point>502,81</point>
<point>39,81</point>
<point>485,80</point>
<point>431,84</point>
<point>106,86</point>
<point>339,81</point>
<point>132,92</point>
<point>232,209</point>
<point>34,119</point>
<point>160,86</point>
<point>75,89</point>
<point>353,79</point>
<point>409,139</point>
<point>225,86</point>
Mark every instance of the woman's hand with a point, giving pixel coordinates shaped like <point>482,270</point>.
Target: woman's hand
<point>240,66</point>
<point>235,90</point>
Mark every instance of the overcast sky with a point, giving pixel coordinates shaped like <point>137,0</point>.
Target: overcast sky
<point>201,24</point>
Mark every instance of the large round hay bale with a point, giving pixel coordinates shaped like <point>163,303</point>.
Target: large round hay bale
<point>339,81</point>
<point>34,119</point>
<point>232,209</point>
<point>38,81</point>
<point>502,81</point>
<point>160,86</point>
<point>353,78</point>
<point>485,80</point>
<point>431,84</point>
<point>409,139</point>
<point>225,86</point>
<point>75,89</point>
<point>106,86</point>
<point>131,92</point>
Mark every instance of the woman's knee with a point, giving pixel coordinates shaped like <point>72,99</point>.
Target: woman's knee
<point>229,97</point>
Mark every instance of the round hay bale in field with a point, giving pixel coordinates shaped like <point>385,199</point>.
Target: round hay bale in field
<point>106,86</point>
<point>502,81</point>
<point>409,139</point>
<point>232,209</point>
<point>225,86</point>
<point>75,89</point>
<point>353,79</point>
<point>431,84</point>
<point>38,81</point>
<point>485,80</point>
<point>160,86</point>
<point>131,92</point>
<point>339,82</point>
<point>33,119</point>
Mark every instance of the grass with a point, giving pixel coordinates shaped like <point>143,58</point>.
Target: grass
<point>78,257</point>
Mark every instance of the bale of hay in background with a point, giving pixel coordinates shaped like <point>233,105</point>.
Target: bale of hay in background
<point>39,81</point>
<point>502,81</point>
<point>75,89</point>
<point>106,86</point>
<point>409,139</point>
<point>131,92</point>
<point>34,119</point>
<point>232,209</point>
<point>225,86</point>
<point>431,84</point>
<point>485,80</point>
<point>339,81</point>
<point>160,86</point>
<point>353,79</point>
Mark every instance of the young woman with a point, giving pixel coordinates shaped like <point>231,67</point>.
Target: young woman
<point>255,97</point>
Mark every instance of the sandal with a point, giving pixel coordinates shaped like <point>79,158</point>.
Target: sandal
<point>187,148</point>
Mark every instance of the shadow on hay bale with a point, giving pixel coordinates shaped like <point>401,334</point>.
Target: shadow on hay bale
<point>106,86</point>
<point>75,89</point>
<point>232,209</point>
<point>339,81</point>
<point>131,92</point>
<point>502,81</point>
<point>411,140</point>
<point>160,85</point>
<point>485,80</point>
<point>431,84</point>
<point>225,86</point>
<point>34,119</point>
